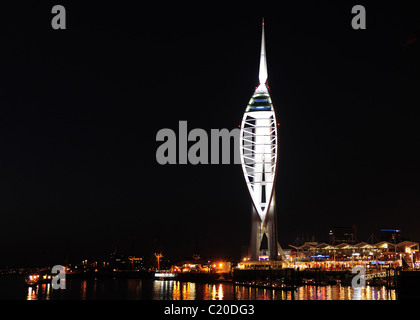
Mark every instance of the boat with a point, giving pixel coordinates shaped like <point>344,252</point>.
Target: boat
<point>164,274</point>
<point>32,280</point>
<point>35,279</point>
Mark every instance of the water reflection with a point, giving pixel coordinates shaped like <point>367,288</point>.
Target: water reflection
<point>135,289</point>
<point>83,288</point>
<point>39,292</point>
<point>176,290</point>
<point>213,292</point>
<point>344,293</point>
<point>357,293</point>
<point>316,293</point>
<point>31,294</point>
<point>173,290</point>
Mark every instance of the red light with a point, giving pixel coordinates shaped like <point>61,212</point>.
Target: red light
<point>278,123</point>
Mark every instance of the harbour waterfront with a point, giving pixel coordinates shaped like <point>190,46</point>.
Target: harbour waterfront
<point>149,289</point>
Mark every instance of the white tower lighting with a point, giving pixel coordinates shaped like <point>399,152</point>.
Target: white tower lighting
<point>259,150</point>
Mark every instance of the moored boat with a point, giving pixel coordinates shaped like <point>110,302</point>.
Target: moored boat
<point>34,279</point>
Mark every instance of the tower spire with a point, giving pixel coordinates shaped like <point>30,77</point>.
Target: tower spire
<point>263,73</point>
<point>259,156</point>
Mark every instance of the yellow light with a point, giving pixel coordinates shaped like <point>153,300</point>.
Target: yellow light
<point>221,265</point>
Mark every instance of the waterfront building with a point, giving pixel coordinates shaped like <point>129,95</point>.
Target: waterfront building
<point>259,153</point>
<point>202,266</point>
<point>136,263</point>
<point>344,255</point>
<point>117,261</point>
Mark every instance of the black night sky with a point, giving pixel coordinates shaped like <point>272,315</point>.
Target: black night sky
<point>80,109</point>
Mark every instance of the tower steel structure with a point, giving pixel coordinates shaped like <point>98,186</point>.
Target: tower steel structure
<point>259,154</point>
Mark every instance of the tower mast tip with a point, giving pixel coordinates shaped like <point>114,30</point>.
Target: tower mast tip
<point>263,74</point>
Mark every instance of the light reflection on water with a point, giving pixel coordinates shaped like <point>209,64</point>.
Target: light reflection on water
<point>39,292</point>
<point>344,293</point>
<point>175,290</point>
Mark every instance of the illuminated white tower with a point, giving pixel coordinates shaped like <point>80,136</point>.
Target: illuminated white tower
<point>258,149</point>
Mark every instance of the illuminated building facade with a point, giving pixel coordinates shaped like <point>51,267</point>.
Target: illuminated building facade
<point>344,255</point>
<point>258,151</point>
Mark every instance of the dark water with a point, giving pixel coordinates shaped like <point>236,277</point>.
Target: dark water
<point>148,289</point>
